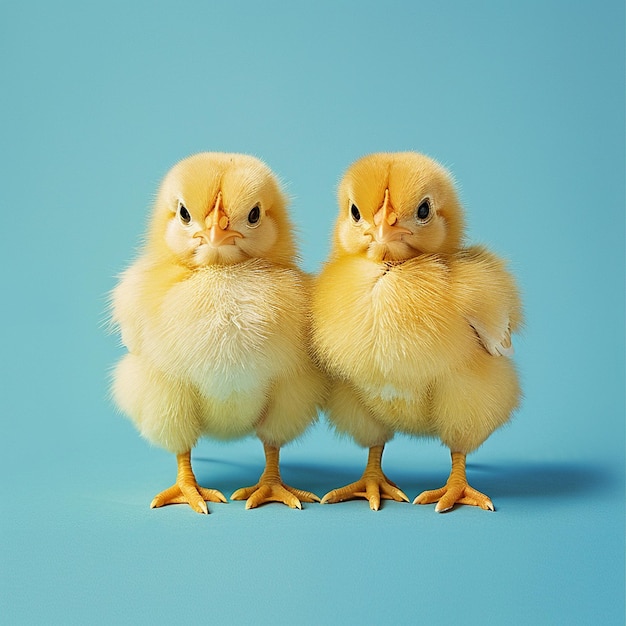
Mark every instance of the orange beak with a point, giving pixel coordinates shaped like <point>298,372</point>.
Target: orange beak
<point>386,221</point>
<point>217,233</point>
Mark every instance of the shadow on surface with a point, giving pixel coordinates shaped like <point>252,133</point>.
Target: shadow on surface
<point>510,480</point>
<point>544,480</point>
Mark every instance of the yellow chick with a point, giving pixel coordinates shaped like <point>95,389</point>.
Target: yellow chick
<point>215,316</point>
<point>414,327</point>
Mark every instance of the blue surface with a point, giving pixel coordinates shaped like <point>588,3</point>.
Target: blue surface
<point>524,102</point>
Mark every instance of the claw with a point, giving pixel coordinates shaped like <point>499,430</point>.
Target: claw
<point>265,491</point>
<point>455,491</point>
<point>270,487</point>
<point>186,490</point>
<point>373,485</point>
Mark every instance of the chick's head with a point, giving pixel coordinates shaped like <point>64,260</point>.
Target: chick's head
<point>395,206</point>
<point>221,209</point>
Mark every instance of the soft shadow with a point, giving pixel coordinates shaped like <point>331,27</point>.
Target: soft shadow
<point>545,479</point>
<point>225,475</point>
<point>232,475</point>
<point>511,480</point>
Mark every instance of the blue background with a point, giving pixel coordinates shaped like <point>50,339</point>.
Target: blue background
<point>523,101</point>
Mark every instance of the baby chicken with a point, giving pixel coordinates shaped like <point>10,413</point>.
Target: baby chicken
<point>414,327</point>
<point>215,316</point>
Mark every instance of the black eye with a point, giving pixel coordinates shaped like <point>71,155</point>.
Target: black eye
<point>423,210</point>
<point>354,211</point>
<point>185,218</point>
<point>254,216</point>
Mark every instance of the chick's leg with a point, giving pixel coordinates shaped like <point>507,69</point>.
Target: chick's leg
<point>372,486</point>
<point>456,490</point>
<point>271,488</point>
<point>186,490</point>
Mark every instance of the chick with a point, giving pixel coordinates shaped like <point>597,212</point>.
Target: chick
<point>215,316</point>
<point>414,327</point>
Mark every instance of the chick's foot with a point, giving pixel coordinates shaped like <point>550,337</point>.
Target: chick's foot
<point>271,488</point>
<point>455,491</point>
<point>267,490</point>
<point>372,486</point>
<point>186,490</point>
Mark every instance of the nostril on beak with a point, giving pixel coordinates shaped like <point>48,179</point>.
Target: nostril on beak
<point>201,235</point>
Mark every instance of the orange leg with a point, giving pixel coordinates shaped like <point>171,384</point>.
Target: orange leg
<point>456,490</point>
<point>271,488</point>
<point>186,490</point>
<point>372,486</point>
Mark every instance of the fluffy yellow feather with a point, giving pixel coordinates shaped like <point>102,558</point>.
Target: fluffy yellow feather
<point>414,327</point>
<point>215,316</point>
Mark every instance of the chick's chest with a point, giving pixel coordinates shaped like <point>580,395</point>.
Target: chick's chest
<point>226,326</point>
<point>395,322</point>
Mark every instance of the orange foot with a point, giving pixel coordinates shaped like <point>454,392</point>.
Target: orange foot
<point>267,490</point>
<point>271,488</point>
<point>455,491</point>
<point>372,486</point>
<point>186,490</point>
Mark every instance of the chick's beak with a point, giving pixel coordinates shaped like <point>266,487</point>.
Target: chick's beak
<point>387,228</point>
<point>217,232</point>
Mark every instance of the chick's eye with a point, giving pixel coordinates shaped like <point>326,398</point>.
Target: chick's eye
<point>254,216</point>
<point>356,214</point>
<point>423,211</point>
<point>184,215</point>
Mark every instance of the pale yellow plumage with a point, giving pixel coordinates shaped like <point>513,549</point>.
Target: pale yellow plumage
<point>214,314</point>
<point>411,324</point>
